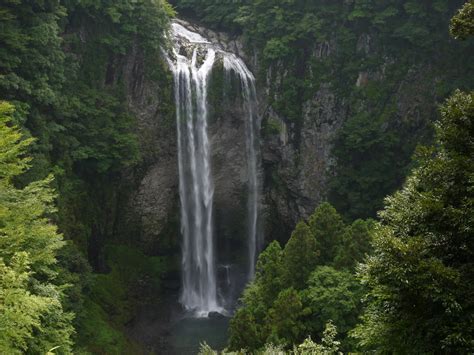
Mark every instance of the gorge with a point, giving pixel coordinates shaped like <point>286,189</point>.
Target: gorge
<point>247,173</point>
<point>297,158</point>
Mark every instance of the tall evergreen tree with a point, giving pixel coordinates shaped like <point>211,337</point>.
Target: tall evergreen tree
<point>300,257</point>
<point>335,296</point>
<point>355,244</point>
<point>327,227</point>
<point>420,277</point>
<point>283,319</point>
<point>32,319</point>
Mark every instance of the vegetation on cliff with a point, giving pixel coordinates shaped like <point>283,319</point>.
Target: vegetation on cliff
<point>414,263</point>
<point>400,283</point>
<point>300,288</point>
<point>388,62</point>
<point>411,290</point>
<point>61,66</point>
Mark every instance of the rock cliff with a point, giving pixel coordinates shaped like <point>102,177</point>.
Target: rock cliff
<point>297,160</point>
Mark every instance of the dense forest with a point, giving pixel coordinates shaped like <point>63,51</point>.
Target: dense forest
<point>336,136</point>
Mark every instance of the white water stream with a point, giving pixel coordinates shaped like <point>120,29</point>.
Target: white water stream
<point>191,69</point>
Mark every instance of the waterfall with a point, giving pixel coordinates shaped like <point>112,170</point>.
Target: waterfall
<point>191,62</point>
<point>247,83</point>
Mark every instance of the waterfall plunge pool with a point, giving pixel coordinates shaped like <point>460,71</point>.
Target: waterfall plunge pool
<point>165,328</point>
<point>189,332</point>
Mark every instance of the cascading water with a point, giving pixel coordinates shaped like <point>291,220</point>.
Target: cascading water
<point>191,63</point>
<point>247,83</point>
<point>195,185</point>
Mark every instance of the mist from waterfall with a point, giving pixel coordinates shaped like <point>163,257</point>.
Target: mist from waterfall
<point>191,69</point>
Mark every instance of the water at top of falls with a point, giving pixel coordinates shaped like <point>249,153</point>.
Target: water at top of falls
<point>191,69</point>
<point>234,63</point>
<point>192,37</point>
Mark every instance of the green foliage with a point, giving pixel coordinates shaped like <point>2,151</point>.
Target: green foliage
<point>31,59</point>
<point>335,296</point>
<point>111,298</point>
<point>270,271</point>
<point>63,65</point>
<point>13,147</point>
<point>245,330</point>
<point>271,127</point>
<point>117,24</point>
<point>246,325</point>
<point>97,138</point>
<point>219,15</point>
<point>32,319</point>
<point>293,295</point>
<point>96,334</point>
<point>300,256</point>
<point>205,349</point>
<point>327,227</point>
<point>356,244</point>
<point>283,318</point>
<point>102,133</point>
<point>420,275</point>
<point>329,345</point>
<point>32,70</point>
<point>462,24</point>
<point>369,165</point>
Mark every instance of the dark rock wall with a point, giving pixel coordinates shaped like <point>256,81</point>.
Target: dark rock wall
<point>297,162</point>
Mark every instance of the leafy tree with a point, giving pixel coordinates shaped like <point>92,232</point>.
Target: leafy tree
<point>327,227</point>
<point>32,319</point>
<point>283,319</point>
<point>462,24</point>
<point>269,277</point>
<point>300,256</point>
<point>63,65</point>
<point>420,276</point>
<point>355,244</point>
<point>31,58</point>
<point>219,15</point>
<point>332,296</point>
<point>329,345</point>
<point>370,164</point>
<point>247,328</point>
<point>293,295</point>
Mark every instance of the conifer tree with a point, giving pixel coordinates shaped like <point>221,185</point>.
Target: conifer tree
<point>420,276</point>
<point>32,319</point>
<point>300,256</point>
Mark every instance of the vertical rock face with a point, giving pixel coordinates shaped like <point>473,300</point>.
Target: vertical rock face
<point>297,161</point>
<point>296,177</point>
<point>150,215</point>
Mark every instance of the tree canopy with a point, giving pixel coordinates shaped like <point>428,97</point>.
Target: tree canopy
<point>296,292</point>
<point>32,319</point>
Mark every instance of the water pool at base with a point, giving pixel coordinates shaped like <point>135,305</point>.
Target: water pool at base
<point>188,333</point>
